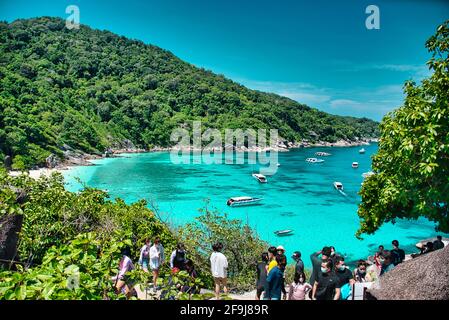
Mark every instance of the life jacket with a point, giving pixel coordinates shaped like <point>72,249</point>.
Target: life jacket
<point>179,261</point>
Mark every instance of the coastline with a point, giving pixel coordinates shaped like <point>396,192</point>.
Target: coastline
<point>84,159</point>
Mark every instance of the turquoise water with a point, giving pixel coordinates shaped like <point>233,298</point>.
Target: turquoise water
<point>300,196</point>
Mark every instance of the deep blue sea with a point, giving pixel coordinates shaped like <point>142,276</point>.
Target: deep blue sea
<point>299,196</point>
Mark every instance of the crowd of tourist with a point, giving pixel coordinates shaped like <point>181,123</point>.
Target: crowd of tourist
<point>330,277</point>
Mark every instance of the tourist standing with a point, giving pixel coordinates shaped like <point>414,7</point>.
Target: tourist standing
<point>360,271</point>
<point>275,281</point>
<point>272,253</point>
<point>316,263</point>
<point>398,254</point>
<point>261,269</point>
<point>144,258</point>
<point>178,258</point>
<point>299,288</point>
<point>299,267</point>
<point>219,266</point>
<point>156,260</point>
<point>327,285</point>
<point>344,276</point>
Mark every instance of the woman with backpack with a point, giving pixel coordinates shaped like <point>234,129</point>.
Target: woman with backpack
<point>178,258</point>
<point>299,288</point>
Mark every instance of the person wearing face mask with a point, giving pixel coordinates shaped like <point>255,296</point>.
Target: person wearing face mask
<point>299,287</point>
<point>327,284</point>
<point>342,272</point>
<point>360,271</point>
<point>344,276</point>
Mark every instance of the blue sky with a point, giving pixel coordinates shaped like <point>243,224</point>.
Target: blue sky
<point>316,52</point>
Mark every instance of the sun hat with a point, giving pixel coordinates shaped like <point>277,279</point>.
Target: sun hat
<point>280,248</point>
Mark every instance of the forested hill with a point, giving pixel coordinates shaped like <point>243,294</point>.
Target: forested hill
<point>89,90</point>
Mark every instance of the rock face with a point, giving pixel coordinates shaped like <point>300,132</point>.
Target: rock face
<point>8,162</point>
<point>52,161</point>
<point>10,226</point>
<point>425,277</point>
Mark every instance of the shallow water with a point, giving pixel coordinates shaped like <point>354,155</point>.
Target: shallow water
<point>300,196</point>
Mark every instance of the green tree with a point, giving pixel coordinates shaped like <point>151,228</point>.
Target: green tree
<point>412,163</point>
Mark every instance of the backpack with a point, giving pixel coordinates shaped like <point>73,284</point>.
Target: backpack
<point>179,260</point>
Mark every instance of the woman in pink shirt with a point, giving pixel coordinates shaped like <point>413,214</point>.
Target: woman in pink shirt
<point>299,288</point>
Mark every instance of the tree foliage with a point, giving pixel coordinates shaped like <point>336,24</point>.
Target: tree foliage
<point>412,163</point>
<point>90,89</point>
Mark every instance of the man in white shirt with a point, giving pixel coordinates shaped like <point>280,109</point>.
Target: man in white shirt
<point>219,266</point>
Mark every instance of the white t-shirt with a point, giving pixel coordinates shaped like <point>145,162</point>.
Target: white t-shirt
<point>219,264</point>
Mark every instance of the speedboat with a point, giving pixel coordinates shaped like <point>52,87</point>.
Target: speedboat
<point>282,233</point>
<point>367,174</point>
<point>322,154</point>
<point>361,151</point>
<point>338,185</point>
<point>242,201</point>
<point>355,165</point>
<point>314,160</point>
<point>260,177</point>
<point>278,164</point>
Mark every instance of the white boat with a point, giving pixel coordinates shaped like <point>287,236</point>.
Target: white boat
<point>314,160</point>
<point>281,233</point>
<point>355,165</point>
<point>367,174</point>
<point>242,201</point>
<point>278,164</point>
<point>260,177</point>
<point>338,185</point>
<point>322,154</point>
<point>361,151</point>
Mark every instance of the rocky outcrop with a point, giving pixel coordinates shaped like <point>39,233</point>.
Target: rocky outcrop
<point>52,161</point>
<point>10,226</point>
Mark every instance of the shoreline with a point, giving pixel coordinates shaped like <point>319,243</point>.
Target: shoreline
<point>84,159</point>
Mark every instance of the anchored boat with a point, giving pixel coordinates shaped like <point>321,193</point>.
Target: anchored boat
<point>242,201</point>
<point>322,154</point>
<point>314,160</point>
<point>362,151</point>
<point>260,177</point>
<point>355,165</point>
<point>282,233</point>
<point>338,185</point>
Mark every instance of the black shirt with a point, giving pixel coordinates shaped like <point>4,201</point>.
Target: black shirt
<point>299,268</point>
<point>261,275</point>
<point>437,244</point>
<point>343,276</point>
<point>398,256</point>
<point>327,283</point>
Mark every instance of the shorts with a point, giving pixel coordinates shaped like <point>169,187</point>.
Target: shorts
<point>145,263</point>
<point>154,265</point>
<point>220,281</point>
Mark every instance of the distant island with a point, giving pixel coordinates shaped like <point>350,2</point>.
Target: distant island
<point>66,92</point>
